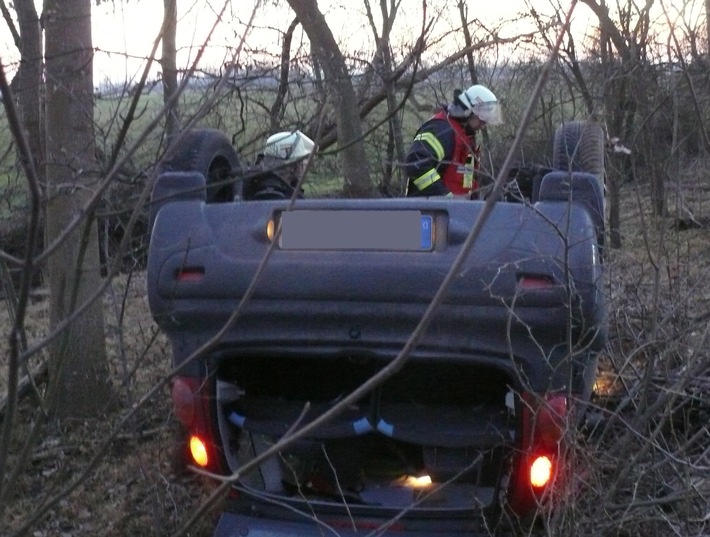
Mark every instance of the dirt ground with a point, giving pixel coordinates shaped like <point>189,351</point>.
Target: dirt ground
<point>135,489</point>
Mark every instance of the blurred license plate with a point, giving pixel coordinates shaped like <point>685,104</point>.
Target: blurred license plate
<point>356,230</point>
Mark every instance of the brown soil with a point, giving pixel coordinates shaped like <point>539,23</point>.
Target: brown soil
<point>137,488</point>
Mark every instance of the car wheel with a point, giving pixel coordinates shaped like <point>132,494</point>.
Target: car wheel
<point>579,147</point>
<point>211,153</point>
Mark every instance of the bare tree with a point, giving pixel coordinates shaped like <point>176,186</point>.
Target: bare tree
<point>623,48</point>
<point>169,65</point>
<point>277,108</point>
<point>353,158</point>
<point>384,67</point>
<point>79,383</point>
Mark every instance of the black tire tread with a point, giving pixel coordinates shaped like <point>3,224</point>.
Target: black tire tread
<point>211,153</point>
<point>579,147</point>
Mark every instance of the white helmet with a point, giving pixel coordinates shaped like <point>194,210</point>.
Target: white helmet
<point>289,146</point>
<point>481,101</point>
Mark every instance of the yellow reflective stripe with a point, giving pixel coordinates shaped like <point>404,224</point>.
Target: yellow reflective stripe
<point>426,179</point>
<point>468,172</point>
<point>433,142</point>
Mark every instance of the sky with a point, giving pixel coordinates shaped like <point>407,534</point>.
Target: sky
<point>124,31</point>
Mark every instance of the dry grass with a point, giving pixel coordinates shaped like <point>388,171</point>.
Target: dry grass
<point>136,489</point>
<point>643,469</point>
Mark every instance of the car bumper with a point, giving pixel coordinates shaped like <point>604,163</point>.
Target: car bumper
<point>237,525</point>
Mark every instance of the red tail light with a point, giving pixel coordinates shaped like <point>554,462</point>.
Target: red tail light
<point>544,420</point>
<point>541,471</point>
<point>532,282</point>
<point>183,401</point>
<point>191,403</point>
<point>198,450</point>
<point>190,274</point>
<point>551,419</point>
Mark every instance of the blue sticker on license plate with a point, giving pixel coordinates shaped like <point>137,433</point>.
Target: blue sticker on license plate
<point>356,230</point>
<point>427,223</point>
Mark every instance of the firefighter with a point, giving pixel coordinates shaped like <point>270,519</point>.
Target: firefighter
<point>444,156</point>
<point>280,167</point>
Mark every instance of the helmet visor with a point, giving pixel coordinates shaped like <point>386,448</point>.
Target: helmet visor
<point>489,112</point>
<point>302,147</point>
<point>289,146</point>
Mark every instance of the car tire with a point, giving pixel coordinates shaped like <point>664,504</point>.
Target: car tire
<point>579,147</point>
<point>211,153</point>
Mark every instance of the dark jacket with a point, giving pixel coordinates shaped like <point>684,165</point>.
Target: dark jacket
<point>442,159</point>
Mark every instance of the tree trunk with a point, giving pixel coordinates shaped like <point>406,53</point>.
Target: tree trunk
<point>353,157</point>
<point>396,151</point>
<point>78,363</point>
<point>169,65</point>
<point>26,88</point>
<point>277,108</point>
<point>29,77</point>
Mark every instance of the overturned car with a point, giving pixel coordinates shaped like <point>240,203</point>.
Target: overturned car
<point>280,311</point>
